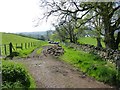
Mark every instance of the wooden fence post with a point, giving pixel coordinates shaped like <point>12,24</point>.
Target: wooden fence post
<point>10,48</point>
<point>0,51</point>
<point>5,49</point>
<point>21,46</point>
<point>25,45</point>
<point>31,44</point>
<point>28,45</point>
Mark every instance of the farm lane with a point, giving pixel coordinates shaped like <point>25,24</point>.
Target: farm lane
<point>49,72</point>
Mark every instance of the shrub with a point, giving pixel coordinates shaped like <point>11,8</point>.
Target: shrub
<point>14,75</point>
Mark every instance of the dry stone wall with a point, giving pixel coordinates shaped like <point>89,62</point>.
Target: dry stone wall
<point>107,54</point>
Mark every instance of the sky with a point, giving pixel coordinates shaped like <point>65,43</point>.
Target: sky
<point>21,16</point>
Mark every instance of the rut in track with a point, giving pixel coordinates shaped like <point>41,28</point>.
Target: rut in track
<point>49,72</point>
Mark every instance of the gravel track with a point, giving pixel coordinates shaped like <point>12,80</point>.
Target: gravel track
<point>49,72</point>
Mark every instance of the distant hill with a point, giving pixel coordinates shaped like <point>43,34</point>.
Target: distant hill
<point>33,34</point>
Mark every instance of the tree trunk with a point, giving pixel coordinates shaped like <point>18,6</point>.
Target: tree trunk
<point>71,39</point>
<point>99,42</point>
<point>118,40</point>
<point>110,40</point>
<point>109,34</point>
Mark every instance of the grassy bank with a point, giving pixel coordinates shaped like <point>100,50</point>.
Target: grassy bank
<point>91,65</point>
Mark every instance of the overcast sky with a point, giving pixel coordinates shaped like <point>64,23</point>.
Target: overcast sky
<point>18,16</point>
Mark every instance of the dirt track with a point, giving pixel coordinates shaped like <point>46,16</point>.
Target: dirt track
<point>49,72</point>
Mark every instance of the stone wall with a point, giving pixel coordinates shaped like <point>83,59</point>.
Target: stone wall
<point>107,54</point>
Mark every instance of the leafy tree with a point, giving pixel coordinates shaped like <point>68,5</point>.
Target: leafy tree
<point>109,11</point>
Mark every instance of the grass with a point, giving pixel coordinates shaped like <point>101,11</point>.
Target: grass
<point>89,40</point>
<point>26,52</point>
<point>15,75</point>
<point>0,38</point>
<point>38,52</point>
<point>7,38</point>
<point>91,65</point>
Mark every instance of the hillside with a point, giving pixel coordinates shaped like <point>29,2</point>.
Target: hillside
<point>32,34</point>
<point>7,38</point>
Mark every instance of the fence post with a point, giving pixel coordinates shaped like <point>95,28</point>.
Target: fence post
<point>10,48</point>
<point>5,49</point>
<point>21,46</point>
<point>31,44</point>
<point>25,45</point>
<point>28,44</point>
<point>0,50</point>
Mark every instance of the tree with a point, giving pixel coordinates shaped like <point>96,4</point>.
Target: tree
<point>97,28</point>
<point>78,10</point>
<point>61,33</point>
<point>48,33</point>
<point>111,22</point>
<point>67,30</point>
<point>42,38</point>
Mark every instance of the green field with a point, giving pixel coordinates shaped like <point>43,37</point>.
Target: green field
<point>7,38</point>
<point>89,40</point>
<point>31,44</point>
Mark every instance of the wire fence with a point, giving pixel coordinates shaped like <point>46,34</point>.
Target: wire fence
<point>7,49</point>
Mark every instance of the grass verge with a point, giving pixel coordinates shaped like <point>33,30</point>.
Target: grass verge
<point>91,65</point>
<point>38,52</point>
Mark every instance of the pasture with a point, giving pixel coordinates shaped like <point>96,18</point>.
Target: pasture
<point>7,38</point>
<point>20,44</point>
<point>89,40</point>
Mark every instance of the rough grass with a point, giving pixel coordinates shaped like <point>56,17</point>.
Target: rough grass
<point>91,65</point>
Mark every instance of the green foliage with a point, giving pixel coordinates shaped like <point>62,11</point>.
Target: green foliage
<point>15,75</point>
<point>91,65</point>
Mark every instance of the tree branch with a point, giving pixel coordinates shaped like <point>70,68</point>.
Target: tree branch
<point>117,23</point>
<point>87,21</point>
<point>115,9</point>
